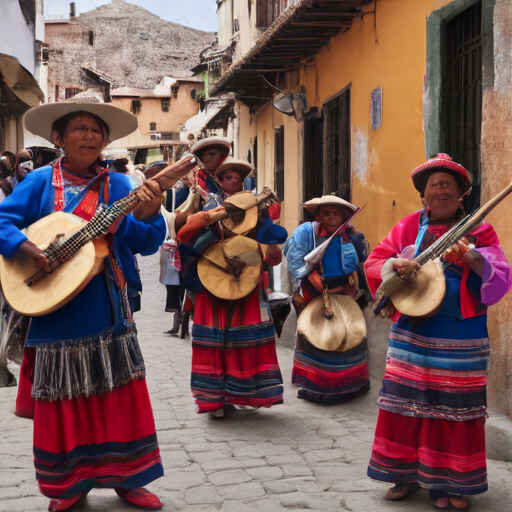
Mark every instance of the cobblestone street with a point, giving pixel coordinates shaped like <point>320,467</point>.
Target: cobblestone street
<point>296,456</point>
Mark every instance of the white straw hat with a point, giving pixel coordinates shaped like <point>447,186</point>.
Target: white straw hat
<point>39,120</point>
<point>313,204</point>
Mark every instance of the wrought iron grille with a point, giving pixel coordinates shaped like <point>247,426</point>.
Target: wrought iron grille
<point>279,162</point>
<point>337,146</point>
<point>313,181</point>
<point>463,113</point>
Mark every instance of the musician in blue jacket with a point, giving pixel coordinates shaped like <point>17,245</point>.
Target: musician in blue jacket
<point>93,421</point>
<point>325,376</point>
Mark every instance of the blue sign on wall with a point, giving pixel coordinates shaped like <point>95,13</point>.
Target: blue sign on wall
<point>376,108</point>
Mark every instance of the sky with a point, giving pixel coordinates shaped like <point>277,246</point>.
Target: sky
<point>199,14</point>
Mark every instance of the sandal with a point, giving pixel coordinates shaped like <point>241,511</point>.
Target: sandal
<point>441,503</point>
<point>402,491</point>
<point>141,498</point>
<point>218,414</point>
<point>67,505</point>
<point>458,502</point>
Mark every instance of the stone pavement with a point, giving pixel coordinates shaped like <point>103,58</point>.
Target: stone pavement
<point>294,457</point>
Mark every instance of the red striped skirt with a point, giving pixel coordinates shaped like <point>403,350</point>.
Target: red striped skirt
<point>99,441</point>
<point>439,454</point>
<point>234,358</point>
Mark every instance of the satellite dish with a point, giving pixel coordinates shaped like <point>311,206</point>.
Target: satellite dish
<point>282,103</point>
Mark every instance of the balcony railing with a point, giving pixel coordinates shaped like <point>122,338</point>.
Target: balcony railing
<point>267,11</point>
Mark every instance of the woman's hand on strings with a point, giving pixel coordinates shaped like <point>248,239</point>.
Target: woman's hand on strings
<point>149,191</point>
<point>149,195</point>
<point>463,251</point>
<point>405,267</point>
<point>38,256</point>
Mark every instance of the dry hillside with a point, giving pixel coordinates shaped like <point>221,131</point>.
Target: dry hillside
<point>137,48</point>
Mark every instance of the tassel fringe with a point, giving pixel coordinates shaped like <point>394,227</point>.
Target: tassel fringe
<point>88,366</point>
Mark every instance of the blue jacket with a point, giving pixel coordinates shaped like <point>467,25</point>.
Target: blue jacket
<point>92,310</point>
<point>302,242</point>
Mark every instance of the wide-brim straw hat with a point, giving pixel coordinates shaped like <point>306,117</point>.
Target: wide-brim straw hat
<point>220,143</point>
<point>245,201</point>
<point>39,120</point>
<point>217,275</point>
<point>242,167</point>
<point>313,204</point>
<point>441,162</point>
<point>344,331</point>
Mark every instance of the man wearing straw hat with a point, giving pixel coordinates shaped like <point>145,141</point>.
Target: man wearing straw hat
<point>330,360</point>
<point>93,421</point>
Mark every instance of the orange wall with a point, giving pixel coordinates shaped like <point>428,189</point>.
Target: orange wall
<point>266,120</point>
<point>391,56</point>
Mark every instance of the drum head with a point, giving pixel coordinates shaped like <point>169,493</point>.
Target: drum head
<point>341,333</point>
<point>423,293</point>
<point>223,284</point>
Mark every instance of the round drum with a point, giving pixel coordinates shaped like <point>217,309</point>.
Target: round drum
<point>344,331</point>
<point>423,293</point>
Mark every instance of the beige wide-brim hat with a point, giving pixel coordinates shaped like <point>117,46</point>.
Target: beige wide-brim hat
<point>247,202</point>
<point>223,283</point>
<point>242,167</point>
<point>344,331</point>
<point>312,205</point>
<point>39,120</point>
<point>220,143</point>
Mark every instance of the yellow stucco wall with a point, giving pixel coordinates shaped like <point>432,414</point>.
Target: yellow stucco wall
<point>391,56</point>
<point>265,121</point>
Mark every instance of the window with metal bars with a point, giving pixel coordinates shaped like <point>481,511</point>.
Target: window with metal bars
<point>462,116</point>
<point>313,181</point>
<point>279,162</point>
<point>337,146</point>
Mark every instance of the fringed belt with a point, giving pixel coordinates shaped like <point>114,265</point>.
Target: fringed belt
<point>89,366</point>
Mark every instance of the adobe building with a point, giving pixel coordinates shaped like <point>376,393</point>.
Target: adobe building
<point>160,112</point>
<point>386,85</point>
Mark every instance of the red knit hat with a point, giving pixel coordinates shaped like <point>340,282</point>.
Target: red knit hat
<point>441,162</point>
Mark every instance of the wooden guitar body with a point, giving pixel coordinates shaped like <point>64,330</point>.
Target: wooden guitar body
<point>65,283</point>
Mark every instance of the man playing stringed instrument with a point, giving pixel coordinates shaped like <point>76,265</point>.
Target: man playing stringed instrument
<point>93,422</point>
<point>430,429</point>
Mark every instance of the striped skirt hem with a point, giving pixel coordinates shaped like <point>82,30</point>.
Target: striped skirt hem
<point>439,455</point>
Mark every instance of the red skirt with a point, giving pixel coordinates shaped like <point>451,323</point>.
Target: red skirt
<point>24,402</point>
<point>439,454</point>
<point>99,441</point>
<point>234,358</point>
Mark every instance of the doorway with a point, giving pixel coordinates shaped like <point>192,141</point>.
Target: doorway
<point>462,98</point>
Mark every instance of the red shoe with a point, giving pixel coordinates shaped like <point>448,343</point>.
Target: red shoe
<point>139,497</point>
<point>69,504</point>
